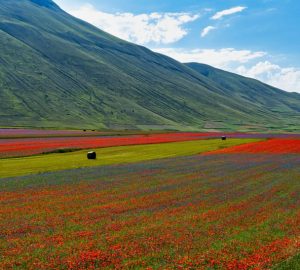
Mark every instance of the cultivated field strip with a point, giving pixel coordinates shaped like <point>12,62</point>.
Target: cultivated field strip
<point>111,155</point>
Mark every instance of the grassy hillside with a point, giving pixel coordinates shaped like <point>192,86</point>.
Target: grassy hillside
<point>250,90</point>
<point>58,71</point>
<point>247,89</point>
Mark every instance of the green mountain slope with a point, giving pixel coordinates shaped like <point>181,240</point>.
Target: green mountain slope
<point>250,90</point>
<point>58,71</point>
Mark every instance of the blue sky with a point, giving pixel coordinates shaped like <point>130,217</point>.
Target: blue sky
<point>255,38</point>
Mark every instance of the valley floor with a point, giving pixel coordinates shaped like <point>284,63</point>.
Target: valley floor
<point>203,204</point>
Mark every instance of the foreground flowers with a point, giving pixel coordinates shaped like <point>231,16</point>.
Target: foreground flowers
<point>237,211</point>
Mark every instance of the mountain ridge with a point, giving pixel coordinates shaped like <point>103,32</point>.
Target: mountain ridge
<point>45,3</point>
<point>224,78</point>
<point>58,71</point>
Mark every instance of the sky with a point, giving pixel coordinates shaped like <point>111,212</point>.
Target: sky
<point>255,38</point>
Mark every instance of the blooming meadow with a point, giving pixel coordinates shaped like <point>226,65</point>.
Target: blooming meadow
<point>31,146</point>
<point>237,211</point>
<point>23,146</point>
<point>273,146</point>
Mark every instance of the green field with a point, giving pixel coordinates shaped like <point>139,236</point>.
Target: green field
<point>113,155</point>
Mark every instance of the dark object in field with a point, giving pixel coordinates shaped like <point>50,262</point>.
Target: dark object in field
<point>91,155</point>
<point>224,138</point>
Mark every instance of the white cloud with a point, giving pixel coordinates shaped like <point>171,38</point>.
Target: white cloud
<point>160,28</point>
<point>219,15</point>
<point>281,77</point>
<point>206,30</point>
<point>222,58</point>
<point>244,62</point>
<point>265,68</point>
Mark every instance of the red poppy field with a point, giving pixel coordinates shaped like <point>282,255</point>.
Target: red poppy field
<point>23,146</point>
<point>30,146</point>
<point>236,208</point>
<point>273,146</point>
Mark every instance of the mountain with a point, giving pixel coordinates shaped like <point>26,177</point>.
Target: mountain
<point>250,90</point>
<point>58,71</point>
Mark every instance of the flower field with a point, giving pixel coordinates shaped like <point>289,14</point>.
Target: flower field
<point>110,155</point>
<point>31,146</point>
<point>274,146</point>
<point>157,206</point>
<point>238,211</point>
<point>17,147</point>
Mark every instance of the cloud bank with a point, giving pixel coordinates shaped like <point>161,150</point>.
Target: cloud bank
<point>222,58</point>
<point>159,28</point>
<point>244,62</point>
<point>281,77</point>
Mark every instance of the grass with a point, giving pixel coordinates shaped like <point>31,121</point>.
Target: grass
<point>293,263</point>
<point>32,132</point>
<point>61,151</point>
<point>113,155</point>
